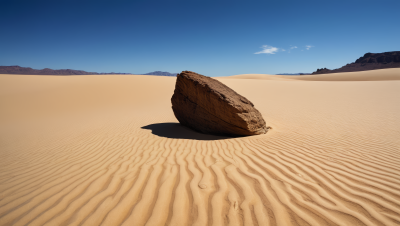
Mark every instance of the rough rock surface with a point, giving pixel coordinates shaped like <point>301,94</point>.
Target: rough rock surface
<point>370,61</point>
<point>208,106</point>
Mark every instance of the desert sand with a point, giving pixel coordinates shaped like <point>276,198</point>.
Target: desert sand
<point>107,150</point>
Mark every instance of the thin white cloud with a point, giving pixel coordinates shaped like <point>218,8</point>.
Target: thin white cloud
<point>268,50</point>
<point>308,47</point>
<point>292,47</point>
<point>272,50</point>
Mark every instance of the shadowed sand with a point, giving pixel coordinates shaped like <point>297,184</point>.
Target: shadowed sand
<point>107,150</point>
<point>177,131</point>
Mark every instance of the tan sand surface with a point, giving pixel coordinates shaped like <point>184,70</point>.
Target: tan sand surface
<point>107,150</point>
<point>258,76</point>
<point>372,75</point>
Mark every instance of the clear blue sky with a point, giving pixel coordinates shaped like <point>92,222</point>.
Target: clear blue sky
<point>214,38</point>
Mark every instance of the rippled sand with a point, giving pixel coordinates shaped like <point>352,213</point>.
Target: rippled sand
<point>107,150</point>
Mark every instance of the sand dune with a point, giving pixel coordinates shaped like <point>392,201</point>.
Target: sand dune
<point>258,76</point>
<point>372,75</point>
<point>107,150</point>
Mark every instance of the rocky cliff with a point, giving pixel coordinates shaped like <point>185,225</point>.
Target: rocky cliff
<point>370,61</point>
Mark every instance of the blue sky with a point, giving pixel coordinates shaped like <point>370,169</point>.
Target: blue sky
<point>214,38</point>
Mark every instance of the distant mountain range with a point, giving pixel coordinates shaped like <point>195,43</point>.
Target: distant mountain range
<point>161,73</point>
<point>370,61</point>
<point>47,71</point>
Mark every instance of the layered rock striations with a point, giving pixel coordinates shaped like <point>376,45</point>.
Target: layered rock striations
<point>370,61</point>
<point>208,106</point>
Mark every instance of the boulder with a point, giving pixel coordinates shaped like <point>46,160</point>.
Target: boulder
<point>208,106</point>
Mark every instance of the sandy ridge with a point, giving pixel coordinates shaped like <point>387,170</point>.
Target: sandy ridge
<point>372,75</point>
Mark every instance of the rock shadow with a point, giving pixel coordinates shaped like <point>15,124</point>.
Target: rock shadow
<point>177,131</point>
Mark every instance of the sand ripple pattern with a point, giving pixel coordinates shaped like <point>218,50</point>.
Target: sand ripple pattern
<point>117,172</point>
<point>122,179</point>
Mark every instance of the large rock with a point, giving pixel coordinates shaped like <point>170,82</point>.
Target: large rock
<point>208,106</point>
